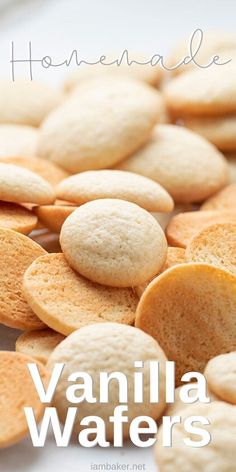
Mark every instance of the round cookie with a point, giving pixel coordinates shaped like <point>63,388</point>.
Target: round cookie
<point>215,245</point>
<point>185,307</point>
<point>101,126</point>
<point>38,344</point>
<point>218,455</point>
<point>113,242</point>
<point>223,200</point>
<point>17,218</point>
<point>184,226</point>
<point>175,255</point>
<point>220,374</point>
<point>115,348</point>
<point>17,252</point>
<point>17,390</point>
<point>47,170</point>
<point>203,92</point>
<point>26,102</point>
<point>173,409</point>
<point>18,140</point>
<point>48,241</point>
<point>23,186</point>
<point>185,164</point>
<point>67,301</point>
<point>53,216</point>
<point>221,131</point>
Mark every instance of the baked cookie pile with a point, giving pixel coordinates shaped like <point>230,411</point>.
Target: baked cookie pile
<point>118,243</point>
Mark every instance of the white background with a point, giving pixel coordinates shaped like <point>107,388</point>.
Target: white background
<point>93,27</point>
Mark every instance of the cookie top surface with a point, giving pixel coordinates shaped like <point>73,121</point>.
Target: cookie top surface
<point>184,226</point>
<point>113,242</point>
<point>219,454</point>
<point>17,253</point>
<point>38,344</point>
<point>26,102</point>
<point>220,374</point>
<point>17,391</point>
<point>215,245</point>
<point>184,163</point>
<point>17,218</point>
<point>18,140</point>
<point>67,301</point>
<point>223,200</point>
<point>115,348</point>
<point>186,302</point>
<point>101,125</point>
<point>93,185</point>
<point>23,186</point>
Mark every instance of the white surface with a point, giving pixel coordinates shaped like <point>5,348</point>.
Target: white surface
<point>94,27</point>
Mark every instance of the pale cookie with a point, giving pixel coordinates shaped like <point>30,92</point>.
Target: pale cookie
<point>220,374</point>
<point>47,170</point>
<point>101,126</point>
<point>175,255</point>
<point>38,344</point>
<point>203,92</point>
<point>26,102</point>
<point>67,301</point>
<point>221,131</point>
<point>23,186</point>
<point>223,200</point>
<point>17,252</point>
<point>113,242</point>
<point>53,216</point>
<point>215,245</point>
<point>184,226</point>
<point>17,390</point>
<point>16,217</point>
<point>185,164</point>
<point>49,241</point>
<point>174,409</point>
<point>184,308</point>
<point>115,348</point>
<point>92,185</point>
<point>18,140</point>
<point>217,456</point>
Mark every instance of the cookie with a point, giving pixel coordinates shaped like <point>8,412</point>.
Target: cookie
<point>53,216</point>
<point>175,255</point>
<point>47,170</point>
<point>67,301</point>
<point>215,245</point>
<point>184,226</point>
<point>221,131</point>
<point>115,348</point>
<point>101,126</point>
<point>218,455</point>
<point>190,302</point>
<point>17,391</point>
<point>93,185</point>
<point>17,218</point>
<point>203,92</point>
<point>49,241</point>
<point>231,159</point>
<point>185,164</point>
<point>114,243</point>
<point>223,200</point>
<point>220,374</point>
<point>26,102</point>
<point>17,252</point>
<point>38,344</point>
<point>178,406</point>
<point>18,140</point>
<point>23,186</point>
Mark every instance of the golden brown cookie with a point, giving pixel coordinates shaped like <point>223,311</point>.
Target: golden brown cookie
<point>16,217</point>
<point>184,308</point>
<point>184,226</point>
<point>17,252</point>
<point>231,159</point>
<point>67,301</point>
<point>38,344</point>
<point>223,200</point>
<point>220,374</point>
<point>215,245</point>
<point>17,390</point>
<point>53,216</point>
<point>49,241</point>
